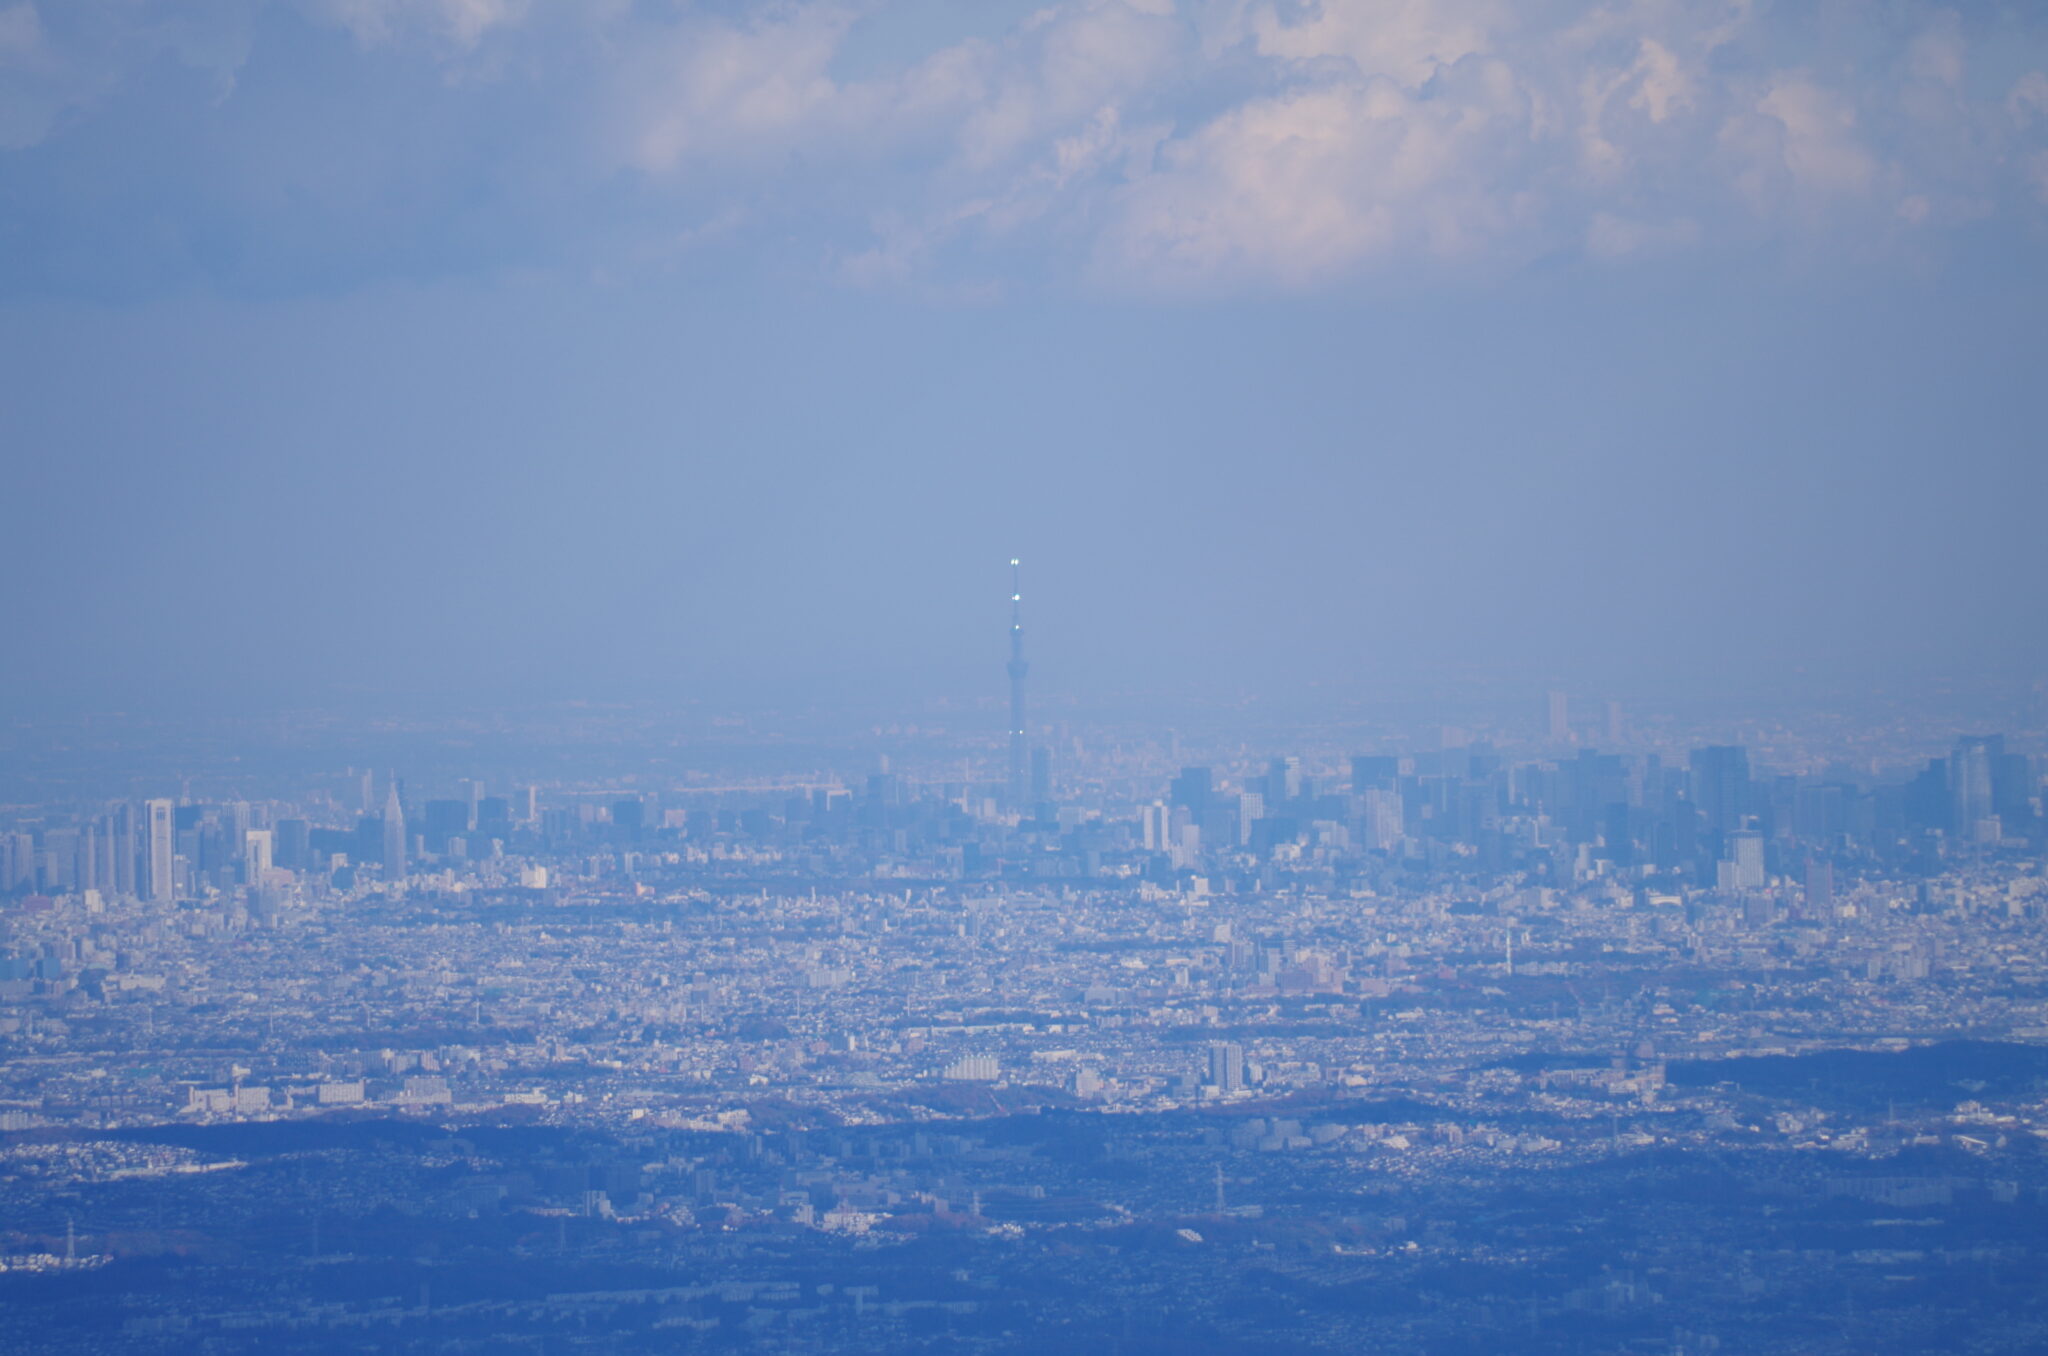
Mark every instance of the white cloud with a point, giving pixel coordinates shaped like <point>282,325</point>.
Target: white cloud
<point>1206,143</point>
<point>1407,41</point>
<point>26,112</point>
<point>1937,55</point>
<point>1662,87</point>
<point>1296,187</point>
<point>1801,147</point>
<point>1064,69</point>
<point>1655,87</point>
<point>712,89</point>
<point>2028,100</point>
<point>462,22</point>
<point>21,32</point>
<point>56,60</point>
<point>1613,237</point>
<point>749,90</point>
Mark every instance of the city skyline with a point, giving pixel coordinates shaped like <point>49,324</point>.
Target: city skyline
<point>1339,1018</point>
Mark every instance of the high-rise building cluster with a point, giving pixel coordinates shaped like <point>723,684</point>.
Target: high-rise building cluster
<point>1714,822</point>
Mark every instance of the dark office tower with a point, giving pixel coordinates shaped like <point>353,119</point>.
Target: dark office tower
<point>2012,791</point>
<point>17,862</point>
<point>125,852</point>
<point>1191,791</point>
<point>1374,772</point>
<point>393,836</point>
<point>85,873</point>
<point>494,817</point>
<point>1226,1065</point>
<point>1970,768</point>
<point>1720,785</point>
<point>444,819</point>
<point>157,850</point>
<point>1283,783</point>
<point>1820,884</point>
<point>104,869</point>
<point>1925,802</point>
<point>1019,756</point>
<point>294,849</point>
<point>1041,775</point>
<point>237,818</point>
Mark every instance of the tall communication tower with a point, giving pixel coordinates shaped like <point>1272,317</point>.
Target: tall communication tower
<point>1020,756</point>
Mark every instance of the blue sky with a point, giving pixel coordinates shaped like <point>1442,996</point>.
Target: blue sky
<point>548,348</point>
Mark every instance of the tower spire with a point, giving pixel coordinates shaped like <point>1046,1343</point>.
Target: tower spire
<point>1020,760</point>
<point>394,835</point>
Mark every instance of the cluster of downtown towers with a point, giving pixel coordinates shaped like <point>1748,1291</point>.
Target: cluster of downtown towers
<point>1714,823</point>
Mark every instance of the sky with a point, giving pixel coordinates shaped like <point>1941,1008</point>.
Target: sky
<point>510,350</point>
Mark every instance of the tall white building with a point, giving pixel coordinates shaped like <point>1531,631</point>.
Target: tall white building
<point>1745,861</point>
<point>159,839</point>
<point>1383,820</point>
<point>1158,821</point>
<point>256,855</point>
<point>394,836</point>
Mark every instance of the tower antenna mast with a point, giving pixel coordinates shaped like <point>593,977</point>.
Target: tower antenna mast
<point>1019,754</point>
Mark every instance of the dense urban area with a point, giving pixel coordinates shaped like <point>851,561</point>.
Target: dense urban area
<point>1591,1036</point>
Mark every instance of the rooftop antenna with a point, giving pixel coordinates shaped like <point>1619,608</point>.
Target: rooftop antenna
<point>1019,756</point>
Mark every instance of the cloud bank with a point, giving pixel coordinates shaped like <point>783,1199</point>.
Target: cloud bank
<point>1132,145</point>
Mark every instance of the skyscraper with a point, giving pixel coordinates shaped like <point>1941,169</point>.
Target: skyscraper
<point>1157,826</point>
<point>1226,1065</point>
<point>158,837</point>
<point>394,836</point>
<point>1970,768</point>
<point>1383,820</point>
<point>1820,884</point>
<point>1560,718</point>
<point>124,850</point>
<point>1745,862</point>
<point>1192,789</point>
<point>1020,762</point>
<point>256,856</point>
<point>106,873</point>
<point>1283,782</point>
<point>1374,772</point>
<point>1720,777</point>
<point>85,868</point>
